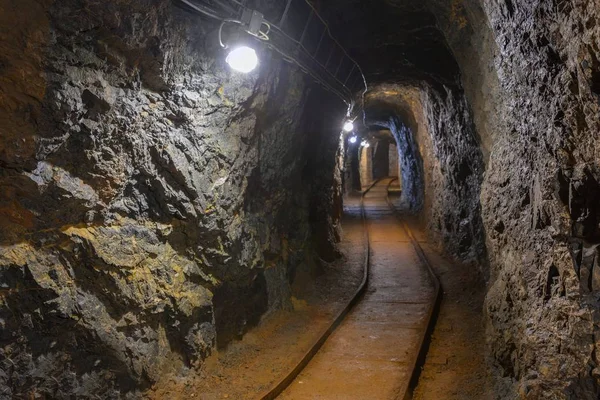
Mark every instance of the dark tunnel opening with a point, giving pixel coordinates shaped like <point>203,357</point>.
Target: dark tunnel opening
<point>381,159</point>
<point>385,119</point>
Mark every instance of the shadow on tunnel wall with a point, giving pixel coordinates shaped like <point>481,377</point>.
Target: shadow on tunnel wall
<point>323,170</point>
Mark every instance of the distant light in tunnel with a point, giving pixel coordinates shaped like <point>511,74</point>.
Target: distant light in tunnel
<point>353,139</point>
<point>242,59</point>
<point>349,126</point>
<point>365,144</point>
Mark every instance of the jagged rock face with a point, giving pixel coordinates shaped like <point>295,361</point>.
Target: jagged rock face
<point>454,175</point>
<point>530,77</point>
<point>530,71</point>
<point>152,204</point>
<point>540,199</point>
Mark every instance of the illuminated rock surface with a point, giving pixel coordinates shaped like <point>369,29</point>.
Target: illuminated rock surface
<point>153,204</point>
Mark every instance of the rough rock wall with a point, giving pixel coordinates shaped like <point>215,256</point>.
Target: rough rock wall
<point>152,203</point>
<point>540,199</point>
<point>468,35</point>
<point>411,161</point>
<point>440,161</point>
<point>531,70</point>
<point>324,166</point>
<point>453,179</point>
<point>530,73</point>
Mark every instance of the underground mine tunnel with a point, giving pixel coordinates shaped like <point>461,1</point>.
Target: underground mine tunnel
<point>299,199</point>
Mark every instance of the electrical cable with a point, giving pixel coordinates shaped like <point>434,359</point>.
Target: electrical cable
<point>328,30</point>
<point>289,58</point>
<point>202,10</point>
<point>224,6</point>
<point>336,42</point>
<point>347,55</point>
<point>264,36</point>
<point>341,48</point>
<point>232,21</point>
<point>238,3</point>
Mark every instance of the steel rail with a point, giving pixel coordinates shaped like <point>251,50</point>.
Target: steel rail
<point>434,308</point>
<point>280,386</point>
<point>428,324</point>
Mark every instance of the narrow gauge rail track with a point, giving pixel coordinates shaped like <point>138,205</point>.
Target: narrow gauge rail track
<point>434,308</point>
<point>373,347</point>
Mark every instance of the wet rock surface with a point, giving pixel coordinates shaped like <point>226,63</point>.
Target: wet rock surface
<point>154,204</point>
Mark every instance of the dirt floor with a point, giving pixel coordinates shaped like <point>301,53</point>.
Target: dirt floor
<point>455,367</point>
<point>372,354</point>
<point>247,368</point>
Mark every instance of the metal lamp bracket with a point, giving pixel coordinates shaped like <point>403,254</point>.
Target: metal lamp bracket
<point>253,23</point>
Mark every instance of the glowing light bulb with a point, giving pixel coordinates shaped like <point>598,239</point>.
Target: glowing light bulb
<point>353,139</point>
<point>365,144</point>
<point>242,59</point>
<point>349,126</point>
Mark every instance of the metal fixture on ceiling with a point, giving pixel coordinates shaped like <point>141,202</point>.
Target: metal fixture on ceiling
<point>306,42</point>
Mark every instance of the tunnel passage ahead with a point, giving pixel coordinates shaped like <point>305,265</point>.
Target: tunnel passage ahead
<point>373,352</point>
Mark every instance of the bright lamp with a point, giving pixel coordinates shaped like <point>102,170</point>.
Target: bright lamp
<point>242,59</point>
<point>349,126</point>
